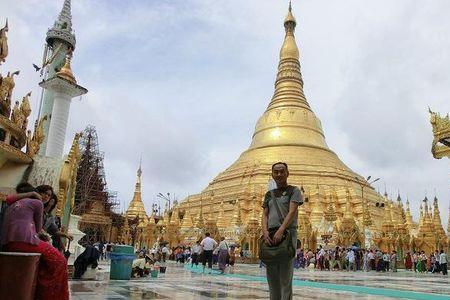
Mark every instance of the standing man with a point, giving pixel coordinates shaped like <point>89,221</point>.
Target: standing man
<point>208,245</point>
<point>196,250</point>
<point>443,262</point>
<point>287,198</point>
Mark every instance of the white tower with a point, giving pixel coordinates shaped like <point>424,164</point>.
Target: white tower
<point>64,87</point>
<point>60,40</point>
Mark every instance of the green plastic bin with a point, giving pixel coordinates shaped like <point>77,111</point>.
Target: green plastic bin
<point>121,262</point>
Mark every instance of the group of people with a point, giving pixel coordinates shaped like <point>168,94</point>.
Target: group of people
<point>355,259</point>
<point>420,262</point>
<point>147,260</point>
<point>30,226</point>
<point>208,252</point>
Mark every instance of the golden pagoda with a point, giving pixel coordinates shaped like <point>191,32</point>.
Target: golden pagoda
<point>287,131</point>
<point>136,207</point>
<point>335,209</point>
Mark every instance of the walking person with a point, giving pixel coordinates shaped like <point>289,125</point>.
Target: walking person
<point>394,261</point>
<point>408,261</point>
<point>208,245</point>
<point>351,260</point>
<point>196,250</point>
<point>366,261</point>
<point>443,260</point>
<point>371,256</point>
<point>280,215</point>
<point>223,255</point>
<point>415,259</point>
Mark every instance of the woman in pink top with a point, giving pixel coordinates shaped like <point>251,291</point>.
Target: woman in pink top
<point>21,227</point>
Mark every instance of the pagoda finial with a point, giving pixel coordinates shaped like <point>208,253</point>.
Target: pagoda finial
<point>62,28</point>
<point>139,171</point>
<point>65,16</point>
<point>289,48</point>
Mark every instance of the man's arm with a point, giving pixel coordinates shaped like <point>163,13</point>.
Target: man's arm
<point>293,207</point>
<point>295,201</point>
<point>265,229</point>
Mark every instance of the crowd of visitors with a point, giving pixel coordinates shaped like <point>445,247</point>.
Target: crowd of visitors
<point>206,252</point>
<point>355,259</point>
<point>30,226</point>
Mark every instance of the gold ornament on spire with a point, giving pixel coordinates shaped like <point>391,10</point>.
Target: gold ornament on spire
<point>66,71</point>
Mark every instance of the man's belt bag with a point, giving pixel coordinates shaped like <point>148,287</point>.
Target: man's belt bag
<point>278,253</point>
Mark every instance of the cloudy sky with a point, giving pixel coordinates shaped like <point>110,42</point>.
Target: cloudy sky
<point>182,83</point>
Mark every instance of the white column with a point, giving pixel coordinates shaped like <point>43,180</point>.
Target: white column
<point>58,124</point>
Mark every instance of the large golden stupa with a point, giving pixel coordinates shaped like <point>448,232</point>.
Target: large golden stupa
<point>287,131</point>
<point>341,208</point>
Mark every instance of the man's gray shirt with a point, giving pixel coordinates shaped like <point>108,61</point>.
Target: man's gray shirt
<point>283,198</point>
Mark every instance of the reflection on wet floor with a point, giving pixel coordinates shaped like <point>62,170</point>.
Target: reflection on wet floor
<point>249,283</point>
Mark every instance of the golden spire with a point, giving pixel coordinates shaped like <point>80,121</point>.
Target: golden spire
<point>289,48</point>
<point>200,223</point>
<point>237,217</point>
<point>136,207</point>
<point>408,216</point>
<point>66,71</point>
<point>437,218</point>
<point>289,120</point>
<point>221,222</point>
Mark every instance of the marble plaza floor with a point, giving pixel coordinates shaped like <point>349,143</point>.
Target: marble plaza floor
<point>248,282</point>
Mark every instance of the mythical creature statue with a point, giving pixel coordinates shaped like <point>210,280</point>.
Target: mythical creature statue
<point>6,88</point>
<point>16,116</point>
<point>25,108</point>
<point>3,43</point>
<point>440,146</point>
<point>34,141</point>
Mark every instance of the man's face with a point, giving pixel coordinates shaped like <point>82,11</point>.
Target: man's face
<point>280,174</point>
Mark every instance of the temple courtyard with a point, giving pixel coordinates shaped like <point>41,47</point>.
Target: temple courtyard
<point>248,282</point>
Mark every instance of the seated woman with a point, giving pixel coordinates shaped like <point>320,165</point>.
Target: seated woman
<point>138,267</point>
<point>52,225</point>
<point>21,227</point>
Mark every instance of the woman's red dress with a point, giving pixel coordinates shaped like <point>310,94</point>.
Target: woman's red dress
<point>52,275</point>
<point>408,262</point>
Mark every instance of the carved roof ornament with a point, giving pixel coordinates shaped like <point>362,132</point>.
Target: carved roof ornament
<point>34,141</point>
<point>440,146</point>
<point>7,85</point>
<point>3,43</point>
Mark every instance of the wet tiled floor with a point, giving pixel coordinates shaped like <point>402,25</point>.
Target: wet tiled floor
<point>248,282</point>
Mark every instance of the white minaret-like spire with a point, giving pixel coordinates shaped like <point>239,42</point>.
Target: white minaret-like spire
<point>62,28</point>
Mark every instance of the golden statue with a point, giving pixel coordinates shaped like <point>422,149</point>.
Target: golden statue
<point>34,141</point>
<point>16,116</point>
<point>3,43</point>
<point>6,87</point>
<point>25,108</point>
